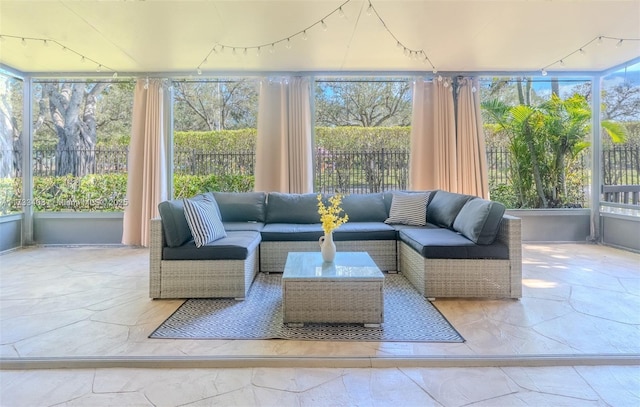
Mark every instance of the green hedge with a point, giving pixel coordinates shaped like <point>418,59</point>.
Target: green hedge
<point>103,192</point>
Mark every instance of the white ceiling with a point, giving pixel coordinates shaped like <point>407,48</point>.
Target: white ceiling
<point>456,35</point>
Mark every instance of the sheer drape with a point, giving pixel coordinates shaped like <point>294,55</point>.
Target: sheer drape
<point>447,144</point>
<point>471,149</point>
<point>283,148</point>
<point>146,183</point>
<point>433,137</point>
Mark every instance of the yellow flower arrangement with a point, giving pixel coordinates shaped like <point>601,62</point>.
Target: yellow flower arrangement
<point>330,215</point>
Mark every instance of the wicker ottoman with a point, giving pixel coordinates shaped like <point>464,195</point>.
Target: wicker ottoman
<point>349,290</point>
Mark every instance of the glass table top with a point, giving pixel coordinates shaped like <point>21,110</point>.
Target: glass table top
<point>346,266</point>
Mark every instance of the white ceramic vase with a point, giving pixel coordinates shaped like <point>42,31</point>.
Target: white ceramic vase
<point>327,247</point>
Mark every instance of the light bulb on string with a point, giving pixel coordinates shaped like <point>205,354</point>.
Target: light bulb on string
<point>199,71</point>
<point>23,42</point>
<point>258,51</point>
<point>45,43</point>
<point>304,35</point>
<point>599,40</point>
<point>64,49</point>
<point>619,44</point>
<point>82,59</point>
<point>582,51</point>
<point>370,9</point>
<point>115,75</point>
<point>233,51</point>
<point>544,72</point>
<point>324,25</point>
<point>244,52</point>
<point>272,49</point>
<point>99,68</point>
<point>341,12</point>
<point>288,44</point>
<point>561,62</point>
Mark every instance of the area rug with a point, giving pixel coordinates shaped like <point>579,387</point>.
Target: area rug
<point>408,317</point>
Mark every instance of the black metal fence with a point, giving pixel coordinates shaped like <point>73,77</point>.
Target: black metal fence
<point>335,171</point>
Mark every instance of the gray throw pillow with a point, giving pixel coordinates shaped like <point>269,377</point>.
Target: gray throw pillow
<point>479,220</point>
<point>408,209</point>
<point>445,206</point>
<point>174,224</point>
<point>203,218</point>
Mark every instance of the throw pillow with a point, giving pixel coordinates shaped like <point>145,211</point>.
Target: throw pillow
<point>203,218</point>
<point>408,209</point>
<point>479,220</point>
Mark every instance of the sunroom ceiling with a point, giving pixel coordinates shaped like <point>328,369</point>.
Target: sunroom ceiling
<point>456,35</point>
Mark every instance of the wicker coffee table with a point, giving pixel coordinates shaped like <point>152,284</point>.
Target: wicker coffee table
<point>349,290</point>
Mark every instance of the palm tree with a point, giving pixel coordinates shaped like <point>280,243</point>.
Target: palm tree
<point>543,141</point>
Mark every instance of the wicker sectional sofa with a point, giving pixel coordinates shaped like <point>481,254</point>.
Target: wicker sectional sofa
<point>468,247</point>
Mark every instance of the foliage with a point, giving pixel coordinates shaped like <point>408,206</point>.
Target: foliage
<point>217,140</point>
<point>362,138</point>
<point>189,185</point>
<point>215,105</point>
<point>330,214</point>
<point>366,103</point>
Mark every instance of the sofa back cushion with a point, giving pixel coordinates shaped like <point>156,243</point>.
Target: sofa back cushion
<point>444,207</point>
<point>364,207</point>
<point>174,223</point>
<point>242,206</point>
<point>292,208</point>
<point>479,220</point>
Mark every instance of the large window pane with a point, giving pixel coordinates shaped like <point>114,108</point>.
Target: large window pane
<point>362,134</point>
<point>11,97</point>
<point>537,133</point>
<point>80,144</point>
<point>621,141</point>
<point>215,130</point>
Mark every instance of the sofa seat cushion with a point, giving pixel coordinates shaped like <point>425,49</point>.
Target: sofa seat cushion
<point>235,226</point>
<point>289,232</point>
<point>237,245</point>
<point>439,243</point>
<point>365,231</point>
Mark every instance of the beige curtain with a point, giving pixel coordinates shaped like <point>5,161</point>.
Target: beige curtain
<point>432,164</point>
<point>471,149</point>
<point>283,148</point>
<point>146,183</point>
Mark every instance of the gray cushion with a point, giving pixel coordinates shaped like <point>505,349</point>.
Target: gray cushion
<point>365,231</point>
<point>174,224</point>
<point>444,207</point>
<point>408,209</point>
<point>479,220</point>
<point>203,218</point>
<point>254,226</point>
<point>291,232</point>
<point>292,208</point>
<point>237,245</point>
<point>242,206</point>
<point>446,244</point>
<point>364,207</point>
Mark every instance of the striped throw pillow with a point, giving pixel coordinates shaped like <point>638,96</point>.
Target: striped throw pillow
<point>408,209</point>
<point>203,218</point>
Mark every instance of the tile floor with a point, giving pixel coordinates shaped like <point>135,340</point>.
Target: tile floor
<point>74,323</point>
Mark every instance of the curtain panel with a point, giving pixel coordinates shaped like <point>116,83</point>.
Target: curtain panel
<point>147,173</point>
<point>284,145</point>
<point>447,142</point>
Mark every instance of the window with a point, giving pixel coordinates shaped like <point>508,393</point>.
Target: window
<point>215,131</point>
<point>362,134</point>
<point>11,97</point>
<point>80,144</point>
<point>621,140</point>
<point>537,134</point>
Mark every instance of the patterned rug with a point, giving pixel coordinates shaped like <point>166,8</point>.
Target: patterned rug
<point>408,317</point>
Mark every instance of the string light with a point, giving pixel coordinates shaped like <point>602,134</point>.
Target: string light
<point>409,52</point>
<point>582,50</point>
<point>415,54</point>
<point>48,41</point>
